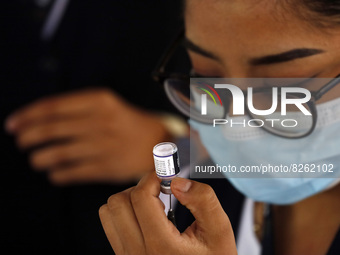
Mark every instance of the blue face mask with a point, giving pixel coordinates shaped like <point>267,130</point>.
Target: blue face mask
<point>248,146</point>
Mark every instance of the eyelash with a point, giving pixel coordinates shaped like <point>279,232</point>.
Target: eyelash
<point>194,74</point>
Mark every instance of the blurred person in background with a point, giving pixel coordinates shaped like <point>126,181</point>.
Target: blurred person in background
<point>281,215</point>
<point>80,112</point>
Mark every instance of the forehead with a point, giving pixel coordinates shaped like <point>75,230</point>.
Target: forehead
<point>224,12</point>
<point>254,25</point>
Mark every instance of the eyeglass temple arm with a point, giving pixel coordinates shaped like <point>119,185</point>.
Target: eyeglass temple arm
<point>327,87</point>
<point>158,72</point>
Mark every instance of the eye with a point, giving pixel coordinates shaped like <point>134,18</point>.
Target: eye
<point>290,82</point>
<point>194,74</point>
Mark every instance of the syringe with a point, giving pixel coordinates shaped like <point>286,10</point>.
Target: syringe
<point>167,168</point>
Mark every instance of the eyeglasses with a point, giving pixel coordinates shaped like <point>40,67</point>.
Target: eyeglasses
<point>186,95</point>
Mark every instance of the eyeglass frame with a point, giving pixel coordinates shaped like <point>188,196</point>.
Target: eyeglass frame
<point>159,75</point>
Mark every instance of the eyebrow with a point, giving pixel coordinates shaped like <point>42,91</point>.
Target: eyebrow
<point>187,43</point>
<point>285,56</point>
<point>266,60</point>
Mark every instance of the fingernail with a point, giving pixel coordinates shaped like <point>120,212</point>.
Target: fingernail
<point>181,184</point>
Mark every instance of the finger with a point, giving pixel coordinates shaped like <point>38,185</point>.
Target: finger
<point>56,155</point>
<point>202,202</point>
<point>101,169</point>
<point>63,105</point>
<point>150,213</point>
<point>51,131</point>
<point>110,230</point>
<point>125,223</point>
<point>93,170</point>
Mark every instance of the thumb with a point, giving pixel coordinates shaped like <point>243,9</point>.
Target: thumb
<point>202,202</point>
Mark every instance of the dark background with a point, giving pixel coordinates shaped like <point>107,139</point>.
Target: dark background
<point>111,43</point>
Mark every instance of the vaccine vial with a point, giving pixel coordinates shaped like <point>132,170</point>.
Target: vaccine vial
<point>166,164</point>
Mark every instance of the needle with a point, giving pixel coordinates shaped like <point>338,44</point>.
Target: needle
<point>171,213</point>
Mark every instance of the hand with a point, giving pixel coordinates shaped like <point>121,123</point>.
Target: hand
<point>135,223</point>
<point>87,136</point>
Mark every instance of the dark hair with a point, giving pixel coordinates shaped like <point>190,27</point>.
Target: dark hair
<point>328,11</point>
<point>325,7</point>
<point>324,13</point>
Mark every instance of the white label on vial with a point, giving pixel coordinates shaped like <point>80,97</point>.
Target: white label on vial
<point>164,166</point>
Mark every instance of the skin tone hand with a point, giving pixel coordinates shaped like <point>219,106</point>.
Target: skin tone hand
<point>87,136</point>
<point>135,223</point>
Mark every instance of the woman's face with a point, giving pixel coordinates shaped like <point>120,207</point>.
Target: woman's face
<point>248,38</point>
